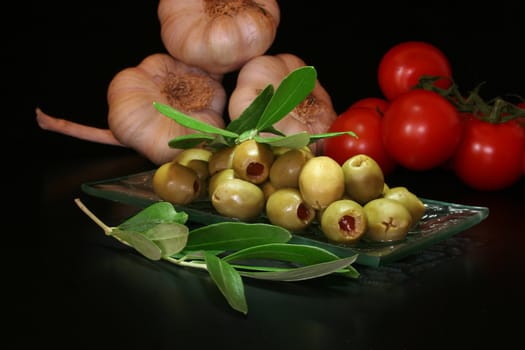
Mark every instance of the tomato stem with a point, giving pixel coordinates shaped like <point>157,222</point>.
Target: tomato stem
<point>496,110</point>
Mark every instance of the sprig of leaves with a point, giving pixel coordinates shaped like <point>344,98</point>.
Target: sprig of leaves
<point>228,250</point>
<point>269,107</point>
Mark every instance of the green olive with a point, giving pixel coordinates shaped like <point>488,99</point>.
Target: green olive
<point>220,159</point>
<point>201,168</point>
<point>286,168</point>
<point>186,155</point>
<point>239,199</point>
<point>385,189</point>
<point>286,208</point>
<point>280,150</point>
<point>321,181</point>
<point>388,220</point>
<point>252,161</point>
<point>268,189</point>
<point>176,183</point>
<point>364,179</point>
<point>414,205</point>
<point>344,221</point>
<point>197,159</point>
<point>218,177</point>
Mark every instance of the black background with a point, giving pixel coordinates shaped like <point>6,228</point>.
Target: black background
<point>61,56</point>
<point>69,51</point>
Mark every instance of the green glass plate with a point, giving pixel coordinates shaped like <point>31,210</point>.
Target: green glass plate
<point>441,220</point>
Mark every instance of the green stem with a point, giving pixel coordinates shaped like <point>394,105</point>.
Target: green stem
<point>495,113</point>
<point>106,228</point>
<point>496,110</point>
<point>182,262</point>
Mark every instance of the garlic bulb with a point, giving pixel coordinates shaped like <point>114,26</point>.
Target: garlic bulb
<point>160,78</point>
<point>314,115</point>
<point>218,36</point>
<point>133,120</point>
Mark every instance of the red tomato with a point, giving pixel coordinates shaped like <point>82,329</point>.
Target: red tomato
<point>490,156</point>
<point>376,103</point>
<point>403,65</point>
<point>366,123</point>
<point>421,129</point>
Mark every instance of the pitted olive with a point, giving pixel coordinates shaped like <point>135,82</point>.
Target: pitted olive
<point>415,206</point>
<point>286,208</point>
<point>176,183</point>
<point>286,168</point>
<point>252,161</point>
<point>364,178</point>
<point>388,220</point>
<point>344,221</point>
<point>321,182</point>
<point>237,198</point>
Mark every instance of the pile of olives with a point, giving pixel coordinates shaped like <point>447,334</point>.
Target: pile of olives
<point>294,188</point>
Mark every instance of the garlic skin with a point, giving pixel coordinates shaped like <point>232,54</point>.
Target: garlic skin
<point>219,36</point>
<point>314,115</point>
<point>133,120</point>
<point>160,78</point>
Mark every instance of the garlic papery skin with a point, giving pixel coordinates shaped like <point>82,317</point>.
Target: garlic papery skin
<point>314,115</point>
<point>219,36</point>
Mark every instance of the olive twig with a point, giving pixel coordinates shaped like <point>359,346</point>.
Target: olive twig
<point>257,120</point>
<point>92,216</point>
<point>183,262</point>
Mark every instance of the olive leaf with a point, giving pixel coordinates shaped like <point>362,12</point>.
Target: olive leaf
<point>294,88</point>
<point>295,253</point>
<point>298,140</point>
<point>171,238</point>
<point>156,231</point>
<point>301,254</point>
<point>250,116</point>
<point>234,235</point>
<point>190,122</point>
<point>228,280</point>
<point>189,140</point>
<point>304,272</point>
<point>139,242</point>
<point>152,215</point>
<point>316,137</point>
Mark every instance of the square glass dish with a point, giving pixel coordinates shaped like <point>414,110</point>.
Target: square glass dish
<point>441,220</point>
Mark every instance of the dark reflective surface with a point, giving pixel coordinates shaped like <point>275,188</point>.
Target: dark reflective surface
<point>86,288</point>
